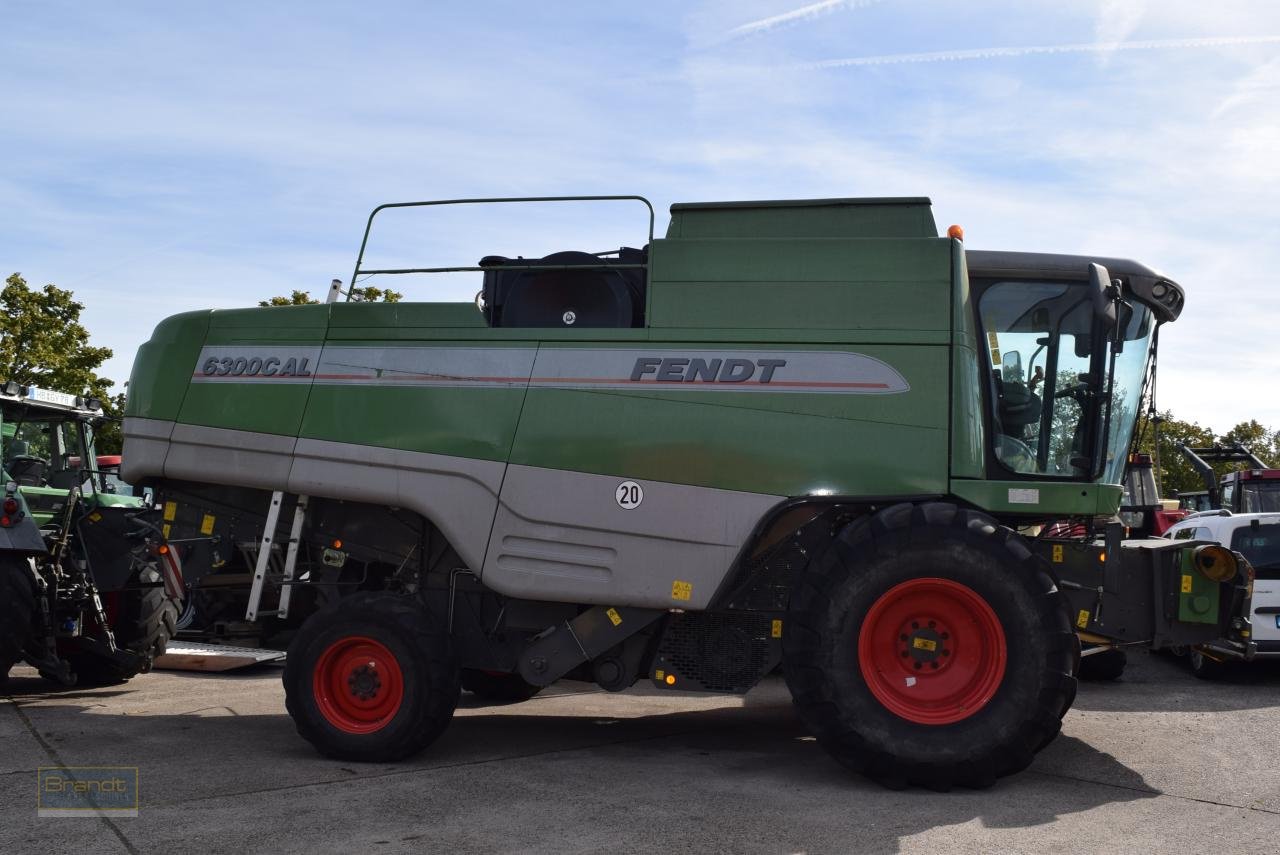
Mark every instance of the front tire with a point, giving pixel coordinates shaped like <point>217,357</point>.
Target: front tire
<point>929,646</point>
<point>17,611</point>
<point>371,678</point>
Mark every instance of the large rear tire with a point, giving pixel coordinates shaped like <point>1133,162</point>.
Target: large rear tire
<point>928,646</point>
<point>17,611</point>
<point>371,678</point>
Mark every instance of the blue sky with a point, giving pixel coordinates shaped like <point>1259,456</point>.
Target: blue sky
<point>159,157</point>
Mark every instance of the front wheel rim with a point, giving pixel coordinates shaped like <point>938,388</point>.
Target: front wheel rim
<point>932,651</point>
<point>358,685</point>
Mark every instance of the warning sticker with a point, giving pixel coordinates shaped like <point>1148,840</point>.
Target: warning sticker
<point>614,617</point>
<point>1082,619</point>
<point>1057,553</point>
<point>681,590</point>
<point>170,511</point>
<point>1186,583</point>
<point>206,524</point>
<point>776,630</point>
<point>924,643</point>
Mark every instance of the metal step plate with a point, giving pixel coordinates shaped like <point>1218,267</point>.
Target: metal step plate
<point>193,656</point>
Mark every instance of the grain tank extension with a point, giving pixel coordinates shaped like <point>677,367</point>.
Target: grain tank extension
<point>808,434</point>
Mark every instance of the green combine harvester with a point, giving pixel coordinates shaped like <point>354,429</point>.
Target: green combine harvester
<point>807,435</point>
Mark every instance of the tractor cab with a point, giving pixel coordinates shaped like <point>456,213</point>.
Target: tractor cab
<point>47,449</point>
<point>1252,490</point>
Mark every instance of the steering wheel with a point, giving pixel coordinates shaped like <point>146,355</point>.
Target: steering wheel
<point>1015,454</point>
<point>1077,391</point>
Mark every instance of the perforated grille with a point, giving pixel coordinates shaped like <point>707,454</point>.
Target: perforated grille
<point>719,652</point>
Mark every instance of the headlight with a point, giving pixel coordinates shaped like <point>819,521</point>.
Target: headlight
<point>1215,563</point>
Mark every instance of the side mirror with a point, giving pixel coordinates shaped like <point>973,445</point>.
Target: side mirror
<point>1104,305</point>
<point>1011,367</point>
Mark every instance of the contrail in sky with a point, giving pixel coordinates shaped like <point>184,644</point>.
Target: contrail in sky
<point>813,10</point>
<point>1029,50</point>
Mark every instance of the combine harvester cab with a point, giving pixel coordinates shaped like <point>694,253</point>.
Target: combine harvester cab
<point>800,433</point>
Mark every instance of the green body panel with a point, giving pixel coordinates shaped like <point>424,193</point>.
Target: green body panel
<point>780,444</point>
<point>807,218</point>
<point>802,284</point>
<point>968,438</point>
<point>478,423</point>
<point>161,372</point>
<point>1069,498</point>
<point>1198,597</point>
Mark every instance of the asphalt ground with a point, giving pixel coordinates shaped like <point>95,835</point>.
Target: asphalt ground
<point>1156,762</point>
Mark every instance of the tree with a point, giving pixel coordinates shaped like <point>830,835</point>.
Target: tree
<point>1175,472</point>
<point>43,343</point>
<point>367,294</point>
<point>1262,441</point>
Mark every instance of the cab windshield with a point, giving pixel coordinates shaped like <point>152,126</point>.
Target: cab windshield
<point>39,451</point>
<point>1049,383</point>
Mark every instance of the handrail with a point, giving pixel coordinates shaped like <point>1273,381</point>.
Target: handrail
<point>364,242</point>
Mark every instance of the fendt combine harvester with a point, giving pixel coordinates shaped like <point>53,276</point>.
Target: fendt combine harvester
<point>801,434</point>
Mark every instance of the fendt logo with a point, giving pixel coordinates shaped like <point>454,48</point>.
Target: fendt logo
<point>255,366</point>
<point>680,369</point>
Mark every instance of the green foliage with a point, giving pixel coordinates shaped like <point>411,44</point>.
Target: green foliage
<point>43,343</point>
<point>367,294</point>
<point>1175,472</point>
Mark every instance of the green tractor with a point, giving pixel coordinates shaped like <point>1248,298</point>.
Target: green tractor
<point>802,435</point>
<point>89,590</point>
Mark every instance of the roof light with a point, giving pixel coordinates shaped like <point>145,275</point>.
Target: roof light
<point>956,232</point>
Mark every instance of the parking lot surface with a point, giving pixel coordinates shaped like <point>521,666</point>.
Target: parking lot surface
<point>1155,762</point>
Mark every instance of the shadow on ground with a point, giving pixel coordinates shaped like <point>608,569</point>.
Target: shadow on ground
<point>744,778</point>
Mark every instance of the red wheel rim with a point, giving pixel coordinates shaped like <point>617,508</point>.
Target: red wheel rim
<point>358,685</point>
<point>932,651</point>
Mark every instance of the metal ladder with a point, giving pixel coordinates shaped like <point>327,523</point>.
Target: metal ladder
<point>254,610</point>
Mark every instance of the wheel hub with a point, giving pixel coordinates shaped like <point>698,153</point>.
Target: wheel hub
<point>932,651</point>
<point>364,682</point>
<point>357,684</point>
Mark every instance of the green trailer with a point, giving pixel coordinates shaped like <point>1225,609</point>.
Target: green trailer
<point>800,435</point>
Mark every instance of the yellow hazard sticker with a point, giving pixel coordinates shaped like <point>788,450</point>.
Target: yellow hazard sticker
<point>165,531</point>
<point>1186,583</point>
<point>170,511</point>
<point>95,516</point>
<point>924,643</point>
<point>776,629</point>
<point>658,675</point>
<point>614,617</point>
<point>1057,553</point>
<point>206,524</point>
<point>1082,619</point>
<point>681,590</point>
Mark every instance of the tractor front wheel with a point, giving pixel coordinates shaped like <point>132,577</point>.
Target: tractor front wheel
<point>371,678</point>
<point>17,611</point>
<point>929,646</point>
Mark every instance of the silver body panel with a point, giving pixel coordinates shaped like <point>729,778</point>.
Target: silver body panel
<point>529,532</point>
